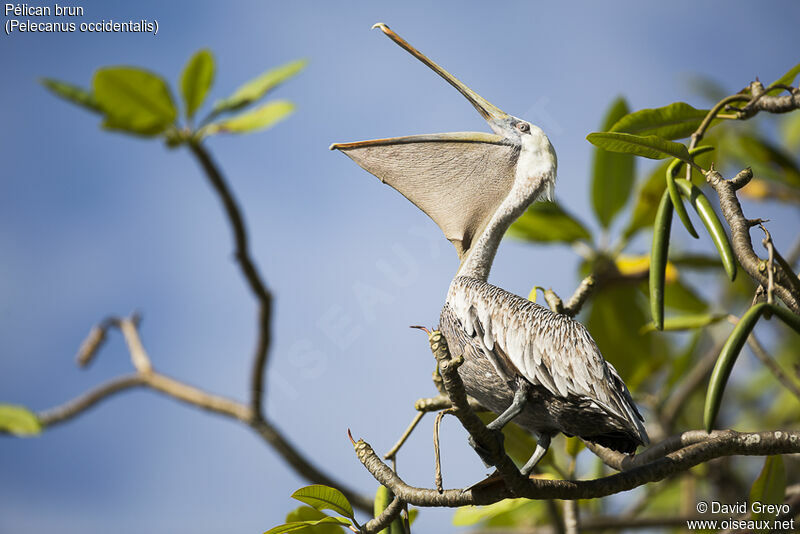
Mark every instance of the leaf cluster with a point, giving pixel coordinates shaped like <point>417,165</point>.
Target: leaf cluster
<point>139,102</point>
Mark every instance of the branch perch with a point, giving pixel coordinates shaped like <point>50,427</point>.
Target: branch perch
<point>718,444</point>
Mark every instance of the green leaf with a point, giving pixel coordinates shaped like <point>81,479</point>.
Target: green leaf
<point>786,79</point>
<point>19,421</point>
<point>769,487</point>
<point>71,93</point>
<point>574,446</point>
<point>696,261</point>
<point>683,361</point>
<point>134,100</point>
<point>308,527</point>
<point>613,174</point>
<point>674,121</point>
<point>324,498</point>
<point>648,146</point>
<point>256,119</point>
<point>616,316</point>
<point>707,88</point>
<point>547,222</point>
<point>682,297</point>
<point>196,80</point>
<point>509,512</point>
<point>790,131</point>
<point>647,201</point>
<point>688,322</point>
<point>766,159</point>
<point>412,515</point>
<point>257,88</point>
<point>306,514</point>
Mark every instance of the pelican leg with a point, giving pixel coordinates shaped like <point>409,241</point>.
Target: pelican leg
<point>496,426</point>
<point>516,408</point>
<point>542,444</point>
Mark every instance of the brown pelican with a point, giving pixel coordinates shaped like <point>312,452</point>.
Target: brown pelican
<point>522,361</point>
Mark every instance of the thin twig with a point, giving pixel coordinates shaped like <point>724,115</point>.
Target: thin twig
<point>82,403</point>
<point>767,242</point>
<point>582,293</point>
<point>761,353</point>
<point>571,517</point>
<point>393,451</point>
<point>139,357</point>
<point>495,453</point>
<point>175,389</point>
<point>571,512</point>
<point>436,455</point>
<point>250,273</point>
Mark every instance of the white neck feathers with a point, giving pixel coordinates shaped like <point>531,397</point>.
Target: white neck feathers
<point>535,177</point>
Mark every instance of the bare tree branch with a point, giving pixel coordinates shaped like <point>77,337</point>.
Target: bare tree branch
<point>75,407</point>
<point>742,244</point>
<point>149,378</point>
<point>442,402</point>
<point>724,443</point>
<point>400,442</point>
<point>571,518</point>
<point>582,293</point>
<point>251,414</point>
<point>382,521</point>
<point>250,273</point>
<point>770,363</point>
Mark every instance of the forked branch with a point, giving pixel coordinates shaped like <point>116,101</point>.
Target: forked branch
<point>251,414</point>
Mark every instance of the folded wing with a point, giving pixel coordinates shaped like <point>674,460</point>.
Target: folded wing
<point>547,349</point>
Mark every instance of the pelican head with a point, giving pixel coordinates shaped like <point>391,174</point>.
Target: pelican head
<point>537,157</point>
<point>463,179</point>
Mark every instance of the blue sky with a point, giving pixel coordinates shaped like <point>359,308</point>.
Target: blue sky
<point>93,224</point>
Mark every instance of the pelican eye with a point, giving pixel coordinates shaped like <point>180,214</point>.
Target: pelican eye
<point>523,127</point>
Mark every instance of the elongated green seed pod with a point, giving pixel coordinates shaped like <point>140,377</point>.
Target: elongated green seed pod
<point>383,498</point>
<point>712,223</point>
<point>727,357</point>
<point>397,526</point>
<point>791,319</point>
<point>677,201</point>
<point>658,259</point>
